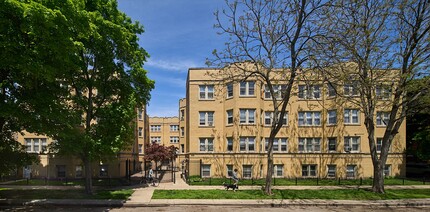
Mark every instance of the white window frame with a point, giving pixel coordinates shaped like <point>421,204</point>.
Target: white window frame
<point>36,145</point>
<point>249,116</point>
<point>351,171</point>
<point>140,114</point>
<point>182,114</point>
<point>331,91</point>
<point>206,118</point>
<point>268,118</point>
<point>140,148</point>
<point>206,92</point>
<point>312,144</point>
<point>349,116</point>
<point>229,144</point>
<point>279,144</point>
<point>309,92</point>
<point>155,128</point>
<point>351,89</point>
<point>140,132</point>
<point>230,90</point>
<point>382,92</point>
<point>155,139</point>
<point>206,170</point>
<point>331,171</point>
<point>174,139</point>
<point>309,118</point>
<point>182,131</point>
<point>278,170</point>
<point>309,170</point>
<point>352,143</point>
<point>382,118</point>
<point>174,128</point>
<point>206,144</point>
<point>248,88</point>
<point>245,144</point>
<point>229,170</point>
<point>378,145</point>
<point>387,170</point>
<point>332,117</point>
<point>329,143</point>
<point>230,117</point>
<point>246,171</point>
<point>278,90</point>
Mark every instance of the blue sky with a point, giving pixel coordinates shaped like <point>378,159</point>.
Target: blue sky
<point>178,35</point>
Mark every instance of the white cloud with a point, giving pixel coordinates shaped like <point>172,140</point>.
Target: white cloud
<point>172,65</point>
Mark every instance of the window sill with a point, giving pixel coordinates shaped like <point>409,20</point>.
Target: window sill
<point>209,100</point>
<point>310,126</point>
<point>245,124</point>
<point>204,126</point>
<point>247,96</point>
<point>352,124</point>
<point>229,97</point>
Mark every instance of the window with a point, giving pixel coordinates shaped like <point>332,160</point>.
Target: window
<point>140,132</point>
<point>229,90</point>
<point>155,128</point>
<point>229,170</point>
<point>247,171</point>
<point>206,170</point>
<point>247,116</point>
<point>229,117</point>
<point>182,148</point>
<point>387,170</point>
<point>206,144</point>
<point>332,144</point>
<point>309,91</point>
<point>79,171</point>
<point>140,147</point>
<point>278,170</point>
<point>378,144</point>
<point>352,144</point>
<point>174,128</point>
<point>278,90</point>
<point>229,144</point>
<point>351,89</point>
<point>174,139</point>
<point>182,114</point>
<point>182,131</point>
<point>206,91</point>
<point>332,117</point>
<point>206,118</point>
<point>140,114</point>
<point>247,144</point>
<point>331,170</point>
<point>309,118</point>
<point>268,118</point>
<point>35,144</point>
<point>351,171</point>
<point>309,170</point>
<point>351,116</point>
<point>247,88</point>
<point>382,93</point>
<point>382,118</point>
<point>331,90</point>
<point>279,144</point>
<point>61,171</point>
<point>155,139</point>
<point>309,144</point>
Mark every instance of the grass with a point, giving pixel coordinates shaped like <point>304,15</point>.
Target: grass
<point>195,180</point>
<point>63,194</point>
<point>65,182</point>
<point>335,194</point>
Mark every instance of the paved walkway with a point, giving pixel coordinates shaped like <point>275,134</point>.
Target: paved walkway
<point>143,197</point>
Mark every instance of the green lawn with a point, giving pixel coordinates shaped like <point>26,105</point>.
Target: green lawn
<point>195,180</point>
<point>74,182</point>
<point>336,194</point>
<point>63,194</point>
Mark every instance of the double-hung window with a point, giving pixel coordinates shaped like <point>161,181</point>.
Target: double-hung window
<point>206,144</point>
<point>229,144</point>
<point>155,139</point>
<point>309,91</point>
<point>331,90</point>
<point>279,144</point>
<point>247,88</point>
<point>382,118</point>
<point>351,89</point>
<point>140,148</point>
<point>268,118</point>
<point>247,144</point>
<point>174,128</point>
<point>332,119</point>
<point>382,92</point>
<point>229,90</point>
<point>278,170</point>
<point>332,144</point>
<point>387,170</point>
<point>352,144</point>
<point>378,145</point>
<point>206,170</point>
<point>247,171</point>
<point>309,118</point>
<point>174,139</point>
<point>247,116</point>
<point>140,114</point>
<point>229,117</point>
<point>206,118</point>
<point>351,116</point>
<point>278,90</point>
<point>229,170</point>
<point>309,144</point>
<point>206,92</point>
<point>309,170</point>
<point>331,171</point>
<point>351,171</point>
<point>155,128</point>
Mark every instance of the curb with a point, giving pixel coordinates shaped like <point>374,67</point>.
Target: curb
<point>62,202</point>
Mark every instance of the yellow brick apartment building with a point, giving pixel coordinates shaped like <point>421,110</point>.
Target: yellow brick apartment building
<point>226,125</point>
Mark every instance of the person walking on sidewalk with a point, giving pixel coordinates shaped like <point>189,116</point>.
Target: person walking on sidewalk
<point>234,177</point>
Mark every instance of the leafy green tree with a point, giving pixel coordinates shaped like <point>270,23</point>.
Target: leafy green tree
<point>36,47</point>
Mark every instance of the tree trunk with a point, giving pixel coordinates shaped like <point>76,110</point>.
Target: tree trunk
<point>88,177</point>
<point>268,186</point>
<point>378,178</point>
